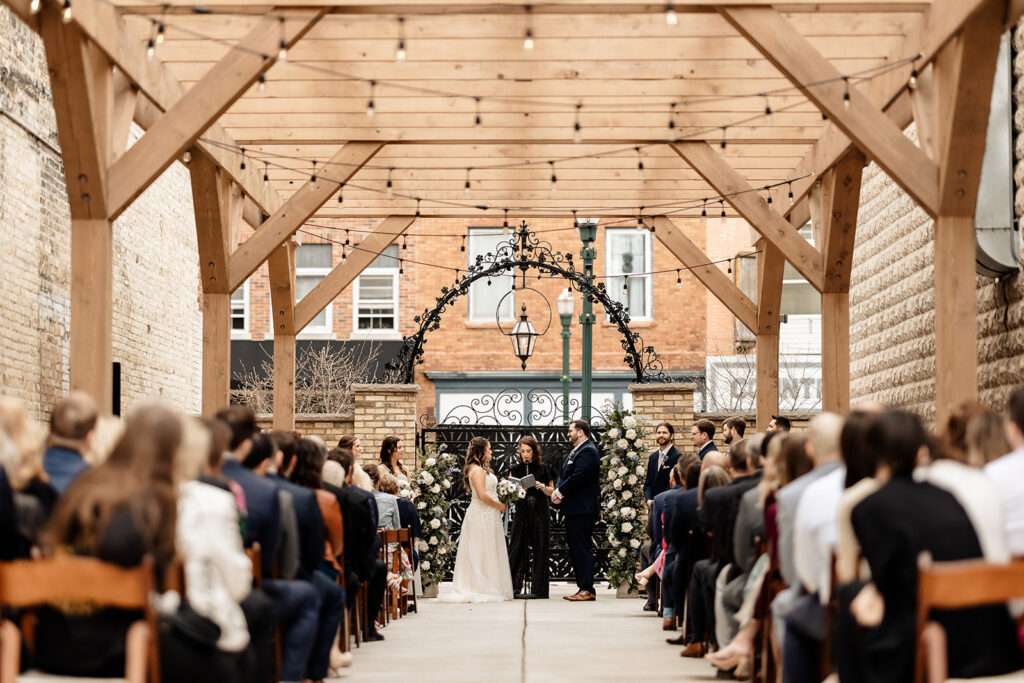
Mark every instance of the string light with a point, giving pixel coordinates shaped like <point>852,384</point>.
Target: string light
<point>577,128</point>
<point>186,157</point>
<point>348,239</point>
<point>150,49</point>
<point>672,116</point>
<point>723,212</point>
<point>554,178</point>
<point>704,209</point>
<point>65,14</point>
<point>528,35</point>
<point>161,29</point>
<point>846,92</point>
<point>417,216</point>
<point>312,177</point>
<point>341,193</point>
<point>34,6</point>
<point>400,50</point>
<point>477,120</point>
<point>505,223</point>
<point>640,165</point>
<point>266,174</point>
<point>912,81</point>
<point>725,131</point>
<point>671,18</point>
<point>767,106</point>
<point>262,80</point>
<point>769,193</point>
<point>401,267</point>
<point>282,44</point>
<point>370,109</point>
<point>405,243</point>
<point>462,247</point>
<point>790,195</point>
<point>344,254</point>
<point>679,279</point>
<point>242,165</point>
<point>467,186</point>
<point>390,187</point>
<point>824,116</point>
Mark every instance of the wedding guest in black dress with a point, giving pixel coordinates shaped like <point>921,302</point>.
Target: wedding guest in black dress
<point>530,531</point>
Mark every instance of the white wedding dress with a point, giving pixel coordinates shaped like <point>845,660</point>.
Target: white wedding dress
<point>482,572</point>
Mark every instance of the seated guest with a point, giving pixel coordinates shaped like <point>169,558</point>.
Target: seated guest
<point>72,423</point>
<point>296,603</point>
<point>120,512</point>
<point>683,524</point>
<point>359,516</point>
<point>21,448</point>
<point>953,437</point>
<point>894,526</point>
<point>388,516</point>
<point>1007,473</point>
<point>391,459</point>
<point>986,439</point>
<point>353,445</point>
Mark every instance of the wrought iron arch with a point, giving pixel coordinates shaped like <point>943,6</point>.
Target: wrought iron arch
<point>524,251</point>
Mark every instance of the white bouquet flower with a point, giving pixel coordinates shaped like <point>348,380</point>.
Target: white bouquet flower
<point>442,551</point>
<point>632,455</point>
<point>634,543</point>
<point>510,491</point>
<point>446,483</point>
<point>622,443</point>
<point>627,527</point>
<point>631,434</point>
<point>435,523</point>
<point>614,433</point>
<point>616,461</point>
<point>629,422</point>
<point>628,513</point>
<point>610,503</point>
<point>640,469</point>
<point>422,545</point>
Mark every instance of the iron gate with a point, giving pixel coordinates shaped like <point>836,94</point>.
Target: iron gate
<point>504,440</point>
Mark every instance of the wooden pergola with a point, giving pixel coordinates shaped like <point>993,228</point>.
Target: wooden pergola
<point>447,109</point>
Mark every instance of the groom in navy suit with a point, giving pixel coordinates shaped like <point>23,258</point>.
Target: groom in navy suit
<point>578,493</point>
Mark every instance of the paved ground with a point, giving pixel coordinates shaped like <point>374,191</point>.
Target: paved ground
<point>535,641</point>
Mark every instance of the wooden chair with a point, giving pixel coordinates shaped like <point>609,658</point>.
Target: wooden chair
<point>382,555</point>
<point>255,556</point>
<point>956,585</point>
<point>30,583</point>
<point>407,542</point>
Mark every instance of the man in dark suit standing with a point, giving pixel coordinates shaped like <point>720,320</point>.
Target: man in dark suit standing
<point>659,464</point>
<point>577,493</point>
<point>703,434</point>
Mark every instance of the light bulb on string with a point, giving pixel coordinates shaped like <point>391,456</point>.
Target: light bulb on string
<point>846,92</point>
<point>704,209</point>
<point>150,49</point>
<point>242,165</point>
<point>912,81</point>
<point>405,243</point>
<point>282,44</point>
<point>672,116</point>
<point>266,174</point>
<point>679,280</point>
<point>671,18</point>
<point>34,6</point>
<point>768,191</point>
<point>65,13</point>
<point>767,106</point>
<point>417,217</point>
<point>462,247</point>
<point>344,254</point>
<point>467,186</point>
<point>262,81</point>
<point>528,34</point>
<point>477,120</point>
<point>400,50</point>
<point>401,267</point>
<point>554,177</point>
<point>577,127</point>
<point>390,187</point>
<point>370,108</point>
<point>725,131</point>
<point>640,165</point>
<point>341,193</point>
<point>348,238</point>
<point>790,195</point>
<point>161,29</point>
<point>186,157</point>
<point>312,177</point>
<point>722,217</point>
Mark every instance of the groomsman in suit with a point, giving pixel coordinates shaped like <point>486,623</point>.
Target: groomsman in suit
<point>703,434</point>
<point>577,493</point>
<point>659,465</point>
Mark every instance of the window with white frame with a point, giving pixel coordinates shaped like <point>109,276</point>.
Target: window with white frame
<point>312,263</point>
<point>484,294</point>
<point>799,297</point>
<point>240,312</point>
<point>628,265</point>
<point>375,298</point>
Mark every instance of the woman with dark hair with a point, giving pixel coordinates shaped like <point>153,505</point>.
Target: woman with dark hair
<point>307,471</point>
<point>482,571</point>
<point>530,529</point>
<point>391,459</point>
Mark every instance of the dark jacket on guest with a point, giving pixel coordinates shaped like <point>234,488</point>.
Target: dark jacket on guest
<point>263,511</point>
<point>311,525</point>
<point>894,525</point>
<point>721,507</point>
<point>408,518</point>
<point>707,448</point>
<point>359,513</point>
<point>664,510</point>
<point>579,482</point>
<point>658,478</point>
<point>62,466</point>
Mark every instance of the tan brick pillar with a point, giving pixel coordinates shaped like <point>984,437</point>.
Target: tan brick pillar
<point>658,402</point>
<point>382,410</point>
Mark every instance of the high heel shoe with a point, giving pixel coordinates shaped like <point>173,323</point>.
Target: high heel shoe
<point>725,660</point>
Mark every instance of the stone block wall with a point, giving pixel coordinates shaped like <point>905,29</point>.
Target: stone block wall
<point>157,315</point>
<point>669,402</point>
<point>382,410</point>
<point>327,427</point>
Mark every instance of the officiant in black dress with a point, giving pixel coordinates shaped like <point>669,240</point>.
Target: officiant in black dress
<point>529,551</point>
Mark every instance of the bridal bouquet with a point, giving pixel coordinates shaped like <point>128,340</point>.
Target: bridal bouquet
<point>622,495</point>
<point>430,489</point>
<point>510,491</point>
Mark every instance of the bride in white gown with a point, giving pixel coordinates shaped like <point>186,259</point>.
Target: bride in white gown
<point>482,571</point>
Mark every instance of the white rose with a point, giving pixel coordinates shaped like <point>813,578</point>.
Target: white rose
<point>632,455</point>
<point>634,543</point>
<point>631,434</point>
<point>626,495</point>
<point>622,552</point>
<point>425,565</point>
<point>433,540</point>
<point>446,483</point>
<point>622,443</point>
<point>436,488</point>
<point>430,462</point>
<point>617,484</point>
<point>421,505</point>
<point>442,551</point>
<point>614,433</point>
<point>422,545</point>
<point>610,504</point>
<point>628,512</point>
<point>427,478</point>
<point>640,469</point>
<point>627,527</point>
<point>621,471</point>
<point>435,524</point>
<point>522,493</point>
<point>616,461</point>
<point>631,479</point>
<point>629,421</point>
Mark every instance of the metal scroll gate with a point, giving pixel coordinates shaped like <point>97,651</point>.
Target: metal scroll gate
<point>504,440</point>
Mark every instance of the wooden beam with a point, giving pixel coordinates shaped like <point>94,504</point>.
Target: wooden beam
<point>217,202</point>
<point>852,112</point>
<point>770,267</point>
<point>216,352</point>
<point>281,265</point>
<point>201,106</point>
<point>835,352</point>
<point>284,382</point>
<point>297,210</point>
<point>125,99</point>
<point>749,203</point>
<point>710,275</point>
<point>925,110</point>
<point>335,282</point>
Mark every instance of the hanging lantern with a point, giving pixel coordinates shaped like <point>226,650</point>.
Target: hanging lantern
<point>524,337</point>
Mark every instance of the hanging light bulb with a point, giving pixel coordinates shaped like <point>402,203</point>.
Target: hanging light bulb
<point>150,49</point>
<point>312,177</point>
<point>722,217</point>
<point>401,267</point>
<point>767,107</point>
<point>912,82</point>
<point>672,116</point>
<point>768,191</point>
<point>400,50</point>
<point>186,157</point>
<point>266,174</point>
<point>679,280</point>
<point>348,239</point>
<point>417,216</point>
<point>405,244</point>
<point>790,191</point>
<point>341,193</point>
<point>161,29</point>
<point>554,178</point>
<point>577,127</point>
<point>846,92</point>
<point>65,14</point>
<point>34,6</point>
<point>390,186</point>
<point>370,109</point>
<point>262,81</point>
<point>282,44</point>
<point>725,131</point>
<point>528,35</point>
<point>704,209</point>
<point>467,187</point>
<point>640,165</point>
<point>242,165</point>
<point>477,120</point>
<point>344,254</point>
<point>462,247</point>
<point>671,18</point>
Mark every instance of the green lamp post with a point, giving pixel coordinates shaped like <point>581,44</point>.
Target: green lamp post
<point>565,309</point>
<point>588,235</point>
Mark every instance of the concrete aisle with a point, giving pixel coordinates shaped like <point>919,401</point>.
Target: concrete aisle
<point>607,640</point>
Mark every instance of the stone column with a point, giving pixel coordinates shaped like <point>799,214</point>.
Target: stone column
<point>661,402</point>
<point>382,410</point>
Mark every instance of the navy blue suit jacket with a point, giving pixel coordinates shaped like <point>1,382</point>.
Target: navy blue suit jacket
<point>578,483</point>
<point>263,511</point>
<point>663,512</point>
<point>311,525</point>
<point>657,479</point>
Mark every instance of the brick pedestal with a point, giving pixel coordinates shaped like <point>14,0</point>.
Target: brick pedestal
<point>672,403</point>
<point>382,410</point>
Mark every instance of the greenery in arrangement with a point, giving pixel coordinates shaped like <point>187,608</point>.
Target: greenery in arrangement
<point>622,495</point>
<point>430,489</point>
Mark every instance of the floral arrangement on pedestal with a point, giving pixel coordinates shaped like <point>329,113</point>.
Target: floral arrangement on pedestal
<point>622,495</point>
<point>431,487</point>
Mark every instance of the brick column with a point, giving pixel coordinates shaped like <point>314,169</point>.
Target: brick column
<point>658,402</point>
<point>382,410</point>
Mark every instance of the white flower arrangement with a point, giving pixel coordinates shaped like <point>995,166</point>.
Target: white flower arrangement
<point>622,473</point>
<point>436,488</point>
<point>430,462</point>
<point>432,504</point>
<point>435,523</point>
<point>510,491</point>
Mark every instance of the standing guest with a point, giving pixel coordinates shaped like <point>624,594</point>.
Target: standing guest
<point>391,459</point>
<point>353,445</point>
<point>779,423</point>
<point>72,423</point>
<point>703,435</point>
<point>1008,473</point>
<point>895,525</point>
<point>733,429</point>
<point>985,439</point>
<point>388,516</point>
<point>659,465</point>
<point>21,449</point>
<point>529,547</point>
<point>577,494</point>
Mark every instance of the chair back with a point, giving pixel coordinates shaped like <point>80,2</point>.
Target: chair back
<point>70,578</point>
<point>255,556</point>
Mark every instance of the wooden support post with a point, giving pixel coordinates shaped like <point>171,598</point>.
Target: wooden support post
<point>216,351</point>
<point>92,309</point>
<point>770,266</point>
<point>282,298</point>
<point>284,382</point>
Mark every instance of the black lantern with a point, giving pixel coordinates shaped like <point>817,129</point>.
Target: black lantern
<point>524,337</point>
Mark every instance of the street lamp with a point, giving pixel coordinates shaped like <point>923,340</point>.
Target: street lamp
<point>565,305</point>
<point>524,337</point>
<point>588,235</point>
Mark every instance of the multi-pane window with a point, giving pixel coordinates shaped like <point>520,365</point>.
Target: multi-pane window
<point>376,295</point>
<point>240,311</point>
<point>628,266</point>
<point>312,263</point>
<point>484,294</point>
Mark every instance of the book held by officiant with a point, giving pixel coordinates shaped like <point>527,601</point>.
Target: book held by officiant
<point>527,482</point>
